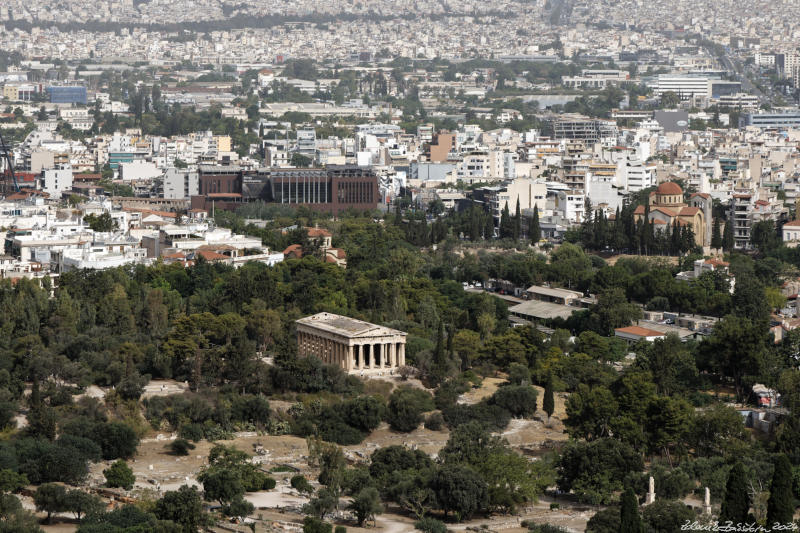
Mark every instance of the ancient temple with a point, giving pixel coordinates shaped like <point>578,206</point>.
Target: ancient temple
<point>356,346</point>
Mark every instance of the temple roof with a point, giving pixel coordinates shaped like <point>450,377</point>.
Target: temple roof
<point>346,326</point>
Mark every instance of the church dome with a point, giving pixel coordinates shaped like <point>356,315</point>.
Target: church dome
<point>669,187</point>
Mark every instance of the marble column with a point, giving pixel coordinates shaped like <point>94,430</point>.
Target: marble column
<point>392,355</point>
<point>401,361</point>
<point>348,363</point>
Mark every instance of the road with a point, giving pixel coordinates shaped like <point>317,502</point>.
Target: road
<point>735,67</point>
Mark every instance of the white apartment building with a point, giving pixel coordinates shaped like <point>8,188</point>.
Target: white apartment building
<point>685,87</point>
<point>96,258</point>
<point>70,113</point>
<point>791,233</point>
<point>762,59</point>
<point>739,100</point>
<point>595,79</point>
<point>56,181</point>
<point>530,193</point>
<point>180,184</point>
<point>275,157</point>
<point>570,205</point>
<point>307,141</point>
<point>637,175</point>
<point>481,166</point>
<point>138,170</point>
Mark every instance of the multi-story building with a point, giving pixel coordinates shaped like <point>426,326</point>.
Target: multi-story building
<point>570,205</point>
<point>307,142</point>
<point>481,166</point>
<point>684,86</point>
<point>739,100</point>
<point>589,130</point>
<point>595,79</point>
<point>335,188</point>
<point>72,94</point>
<point>57,180</point>
<point>788,65</point>
<point>529,193</point>
<point>638,176</point>
<point>746,209</point>
<point>575,168</point>
<point>788,119</point>
<point>180,184</point>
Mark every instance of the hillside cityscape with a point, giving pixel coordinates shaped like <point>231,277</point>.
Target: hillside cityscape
<point>519,266</point>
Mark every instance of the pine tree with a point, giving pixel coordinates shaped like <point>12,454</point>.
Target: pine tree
<point>716,236</point>
<point>629,521</point>
<point>548,402</point>
<point>535,230</point>
<point>736,504</point>
<point>517,223</point>
<point>727,236</point>
<point>780,507</point>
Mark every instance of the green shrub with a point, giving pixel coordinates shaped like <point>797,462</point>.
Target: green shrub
<point>119,474</point>
<point>180,447</point>
<point>430,525</point>
<point>434,422</point>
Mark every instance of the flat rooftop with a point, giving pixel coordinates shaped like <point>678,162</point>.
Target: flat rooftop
<point>346,326</point>
<point>554,292</point>
<point>542,310</point>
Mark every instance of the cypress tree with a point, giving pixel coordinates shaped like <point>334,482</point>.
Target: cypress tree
<point>517,222</point>
<point>439,366</point>
<point>548,402</point>
<point>535,230</point>
<point>716,236</point>
<point>629,520</point>
<point>488,226</point>
<point>675,239</point>
<point>439,351</point>
<point>727,236</point>
<point>474,224</point>
<point>780,508</point>
<point>505,221</point>
<point>587,230</point>
<point>398,211</point>
<point>736,504</point>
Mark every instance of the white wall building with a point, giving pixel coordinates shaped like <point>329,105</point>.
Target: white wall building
<point>138,170</point>
<point>179,184</point>
<point>684,86</point>
<point>56,181</point>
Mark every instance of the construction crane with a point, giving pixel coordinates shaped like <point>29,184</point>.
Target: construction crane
<point>8,173</point>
